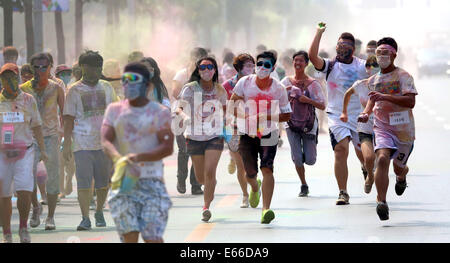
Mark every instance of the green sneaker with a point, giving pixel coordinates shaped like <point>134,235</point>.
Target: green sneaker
<point>255,196</point>
<point>267,216</point>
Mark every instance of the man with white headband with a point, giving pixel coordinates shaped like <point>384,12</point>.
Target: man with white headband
<point>392,99</point>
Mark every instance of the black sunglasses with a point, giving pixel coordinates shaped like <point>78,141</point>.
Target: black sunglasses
<point>203,67</point>
<point>266,64</point>
<point>41,67</point>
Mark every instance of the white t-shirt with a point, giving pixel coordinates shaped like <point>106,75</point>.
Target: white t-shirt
<point>88,104</point>
<point>316,94</point>
<point>390,118</point>
<point>136,132</point>
<point>182,76</point>
<point>205,108</point>
<point>339,81</point>
<point>276,95</point>
<point>362,90</point>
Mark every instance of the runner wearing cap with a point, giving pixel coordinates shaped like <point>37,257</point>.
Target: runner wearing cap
<point>20,122</point>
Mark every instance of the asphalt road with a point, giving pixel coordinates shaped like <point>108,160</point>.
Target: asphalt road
<point>421,215</point>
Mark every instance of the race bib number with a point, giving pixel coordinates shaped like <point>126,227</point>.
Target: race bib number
<point>81,128</point>
<point>151,170</point>
<point>398,118</point>
<point>7,134</point>
<point>13,117</point>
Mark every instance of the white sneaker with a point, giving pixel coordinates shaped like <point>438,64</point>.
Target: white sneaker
<point>7,238</point>
<point>245,203</point>
<point>24,235</point>
<point>50,224</point>
<point>35,219</point>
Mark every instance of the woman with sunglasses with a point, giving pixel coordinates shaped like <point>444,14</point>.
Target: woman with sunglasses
<point>244,64</point>
<point>140,129</point>
<point>159,93</point>
<point>201,106</point>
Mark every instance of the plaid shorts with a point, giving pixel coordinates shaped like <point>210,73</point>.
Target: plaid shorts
<point>144,210</point>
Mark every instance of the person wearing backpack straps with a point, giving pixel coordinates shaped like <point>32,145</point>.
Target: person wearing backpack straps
<point>305,95</point>
<point>341,72</point>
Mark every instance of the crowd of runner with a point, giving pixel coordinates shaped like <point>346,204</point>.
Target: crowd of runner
<point>112,128</point>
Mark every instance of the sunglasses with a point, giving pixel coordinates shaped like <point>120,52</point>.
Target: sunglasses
<point>383,52</point>
<point>266,64</point>
<point>41,68</point>
<point>204,67</point>
<point>132,78</point>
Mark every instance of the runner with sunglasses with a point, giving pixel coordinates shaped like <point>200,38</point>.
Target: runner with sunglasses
<point>202,105</point>
<point>84,109</point>
<point>341,72</point>
<point>261,103</point>
<point>244,64</point>
<point>141,130</point>
<point>365,130</point>
<point>50,100</point>
<point>392,98</point>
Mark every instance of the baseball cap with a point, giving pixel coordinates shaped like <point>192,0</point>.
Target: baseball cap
<point>10,67</point>
<point>61,68</point>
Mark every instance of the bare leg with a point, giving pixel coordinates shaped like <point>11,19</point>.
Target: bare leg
<point>240,172</point>
<point>382,173</point>
<point>267,187</point>
<point>301,174</point>
<point>132,237</point>
<point>340,163</point>
<point>212,158</point>
<point>369,160</point>
<point>6,212</point>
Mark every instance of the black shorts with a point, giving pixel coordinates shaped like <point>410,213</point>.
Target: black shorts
<point>250,148</point>
<point>365,137</point>
<point>199,147</point>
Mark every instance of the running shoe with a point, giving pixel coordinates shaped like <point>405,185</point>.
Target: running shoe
<point>232,166</point>
<point>206,215</point>
<point>85,224</point>
<point>304,191</point>
<point>43,201</point>
<point>7,238</point>
<point>383,211</point>
<point>50,224</point>
<point>255,196</point>
<point>24,235</point>
<point>343,198</point>
<point>368,187</point>
<point>196,190</point>
<point>267,216</point>
<point>245,203</point>
<point>99,219</point>
<point>400,187</point>
<point>35,219</point>
<point>280,143</point>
